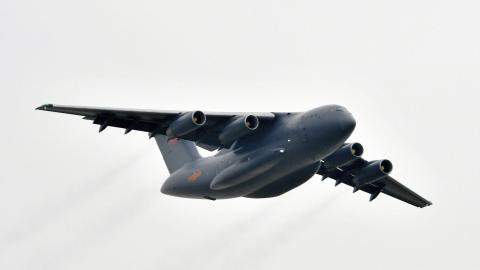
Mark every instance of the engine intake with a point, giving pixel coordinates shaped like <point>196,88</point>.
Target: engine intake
<point>373,172</point>
<point>346,154</point>
<point>186,123</point>
<point>240,126</point>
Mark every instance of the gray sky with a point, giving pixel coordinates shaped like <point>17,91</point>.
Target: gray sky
<point>73,199</point>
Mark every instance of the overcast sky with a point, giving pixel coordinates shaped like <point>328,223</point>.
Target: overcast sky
<point>70,198</point>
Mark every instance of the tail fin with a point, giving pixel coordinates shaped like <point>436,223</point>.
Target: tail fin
<point>176,152</point>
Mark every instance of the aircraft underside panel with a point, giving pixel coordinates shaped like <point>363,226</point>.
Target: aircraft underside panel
<point>286,183</point>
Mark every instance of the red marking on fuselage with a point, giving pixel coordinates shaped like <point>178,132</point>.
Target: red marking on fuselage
<point>195,175</point>
<point>173,141</point>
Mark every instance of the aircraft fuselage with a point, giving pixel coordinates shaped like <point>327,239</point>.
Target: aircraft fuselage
<point>270,163</point>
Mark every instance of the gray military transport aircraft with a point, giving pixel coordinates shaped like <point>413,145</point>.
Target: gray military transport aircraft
<point>261,155</point>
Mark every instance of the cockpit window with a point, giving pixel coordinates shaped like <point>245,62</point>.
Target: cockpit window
<point>338,109</point>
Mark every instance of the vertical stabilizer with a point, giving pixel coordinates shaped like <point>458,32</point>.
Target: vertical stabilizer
<point>176,152</point>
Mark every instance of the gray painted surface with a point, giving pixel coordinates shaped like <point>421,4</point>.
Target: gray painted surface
<point>176,153</point>
<point>277,155</point>
<point>73,199</point>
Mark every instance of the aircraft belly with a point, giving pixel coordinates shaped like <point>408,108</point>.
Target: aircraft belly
<point>246,170</point>
<point>286,183</point>
<point>245,184</point>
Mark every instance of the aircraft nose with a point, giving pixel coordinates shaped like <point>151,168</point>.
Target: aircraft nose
<point>347,123</point>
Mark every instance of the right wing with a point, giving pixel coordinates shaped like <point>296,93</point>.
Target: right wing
<point>347,173</point>
<point>157,122</point>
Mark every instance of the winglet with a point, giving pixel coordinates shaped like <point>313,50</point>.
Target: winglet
<point>45,107</point>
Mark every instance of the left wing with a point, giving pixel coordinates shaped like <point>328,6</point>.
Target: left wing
<point>369,176</point>
<point>154,122</point>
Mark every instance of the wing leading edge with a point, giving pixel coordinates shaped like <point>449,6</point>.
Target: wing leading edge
<point>155,122</point>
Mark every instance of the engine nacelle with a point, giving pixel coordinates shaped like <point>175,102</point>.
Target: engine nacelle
<point>186,123</point>
<point>373,172</point>
<point>238,127</point>
<point>343,156</point>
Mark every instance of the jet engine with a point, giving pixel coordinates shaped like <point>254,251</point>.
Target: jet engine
<point>186,123</point>
<point>371,173</point>
<point>237,128</point>
<point>343,156</point>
